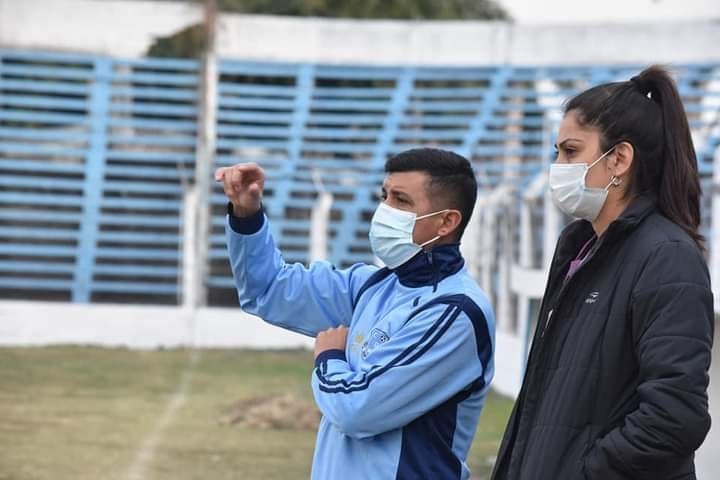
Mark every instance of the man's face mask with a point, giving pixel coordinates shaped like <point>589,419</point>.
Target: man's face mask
<point>391,233</point>
<point>571,195</point>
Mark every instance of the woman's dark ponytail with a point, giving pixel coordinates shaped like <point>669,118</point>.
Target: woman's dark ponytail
<point>679,191</point>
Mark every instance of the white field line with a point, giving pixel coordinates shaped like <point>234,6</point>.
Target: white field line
<point>147,450</point>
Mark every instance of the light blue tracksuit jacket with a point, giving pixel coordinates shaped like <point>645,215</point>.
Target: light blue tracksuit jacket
<point>402,400</point>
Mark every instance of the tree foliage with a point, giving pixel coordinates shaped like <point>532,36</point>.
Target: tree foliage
<point>391,9</point>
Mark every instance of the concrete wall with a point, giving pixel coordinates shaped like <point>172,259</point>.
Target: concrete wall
<point>126,28</point>
<point>464,43</point>
<point>119,27</point>
<point>509,363</point>
<point>39,324</point>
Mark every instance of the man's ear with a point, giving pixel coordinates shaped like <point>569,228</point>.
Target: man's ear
<point>450,222</point>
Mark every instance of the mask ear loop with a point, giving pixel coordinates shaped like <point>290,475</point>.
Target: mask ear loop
<point>430,215</point>
<point>614,182</point>
<point>429,241</point>
<point>588,167</point>
<point>601,157</point>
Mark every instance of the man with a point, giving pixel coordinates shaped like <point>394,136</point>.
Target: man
<point>403,354</point>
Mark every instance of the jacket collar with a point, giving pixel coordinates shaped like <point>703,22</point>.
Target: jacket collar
<point>430,267</point>
<point>580,231</point>
<point>638,210</point>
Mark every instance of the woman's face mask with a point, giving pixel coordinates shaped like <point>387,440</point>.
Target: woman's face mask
<point>391,235</point>
<point>570,193</point>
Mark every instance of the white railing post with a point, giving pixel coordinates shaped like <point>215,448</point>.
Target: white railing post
<point>715,230</point>
<point>551,229</point>
<point>188,264</point>
<point>319,221</point>
<point>504,201</point>
<point>470,244</point>
<point>523,301</point>
<point>205,156</point>
<point>487,246</point>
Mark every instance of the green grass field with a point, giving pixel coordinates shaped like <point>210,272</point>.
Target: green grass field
<point>90,413</point>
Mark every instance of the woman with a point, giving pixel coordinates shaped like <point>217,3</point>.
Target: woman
<point>616,382</point>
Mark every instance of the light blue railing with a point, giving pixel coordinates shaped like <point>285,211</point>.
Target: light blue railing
<point>95,154</point>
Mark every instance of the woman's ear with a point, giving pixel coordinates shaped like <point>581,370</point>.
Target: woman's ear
<point>622,160</point>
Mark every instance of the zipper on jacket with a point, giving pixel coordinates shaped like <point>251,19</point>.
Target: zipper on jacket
<point>434,270</point>
<point>547,322</point>
<point>565,285</point>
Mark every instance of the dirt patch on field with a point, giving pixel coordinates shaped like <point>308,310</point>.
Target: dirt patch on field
<point>279,412</point>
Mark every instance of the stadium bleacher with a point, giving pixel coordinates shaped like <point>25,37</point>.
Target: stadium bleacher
<point>97,153</point>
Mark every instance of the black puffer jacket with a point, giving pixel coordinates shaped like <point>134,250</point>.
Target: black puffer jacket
<point>616,383</point>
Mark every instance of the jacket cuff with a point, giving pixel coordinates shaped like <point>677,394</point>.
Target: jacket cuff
<point>246,225</point>
<point>334,354</point>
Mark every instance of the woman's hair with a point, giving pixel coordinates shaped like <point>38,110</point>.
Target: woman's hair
<point>647,112</point>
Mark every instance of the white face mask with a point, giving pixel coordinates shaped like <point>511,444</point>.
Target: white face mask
<point>391,235</point>
<point>570,193</point>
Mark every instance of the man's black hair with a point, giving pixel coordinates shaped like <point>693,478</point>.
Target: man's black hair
<point>452,179</point>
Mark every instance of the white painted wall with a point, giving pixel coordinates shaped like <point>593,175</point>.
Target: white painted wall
<point>38,324</point>
<point>464,42</point>
<point>118,27</point>
<point>126,28</point>
<point>509,363</point>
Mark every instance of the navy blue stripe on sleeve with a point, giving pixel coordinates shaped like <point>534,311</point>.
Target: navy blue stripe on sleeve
<point>477,319</point>
<point>333,354</point>
<point>403,354</point>
<point>426,342</point>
